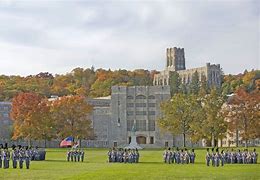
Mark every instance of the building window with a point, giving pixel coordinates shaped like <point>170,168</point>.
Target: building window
<point>130,124</point>
<point>151,140</point>
<point>151,104</point>
<point>118,120</point>
<point>141,113</point>
<point>140,105</point>
<point>130,97</point>
<point>130,113</point>
<point>118,103</point>
<point>5,115</point>
<point>151,113</point>
<point>151,125</point>
<point>130,105</point>
<point>151,97</point>
<point>140,125</point>
<point>140,97</point>
<point>115,144</point>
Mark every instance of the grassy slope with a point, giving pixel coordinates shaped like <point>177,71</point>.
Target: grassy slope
<point>151,167</point>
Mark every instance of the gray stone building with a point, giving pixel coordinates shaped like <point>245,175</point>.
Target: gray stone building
<point>113,117</point>
<point>175,61</point>
<point>5,121</point>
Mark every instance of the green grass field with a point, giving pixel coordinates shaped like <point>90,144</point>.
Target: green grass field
<point>150,167</point>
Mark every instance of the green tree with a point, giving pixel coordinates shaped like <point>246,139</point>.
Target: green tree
<point>214,127</point>
<point>175,83</point>
<point>179,114</point>
<point>194,86</point>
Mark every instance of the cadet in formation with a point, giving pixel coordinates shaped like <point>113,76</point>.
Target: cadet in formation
<point>18,155</point>
<point>75,155</point>
<point>178,156</point>
<point>231,157</point>
<point>123,155</point>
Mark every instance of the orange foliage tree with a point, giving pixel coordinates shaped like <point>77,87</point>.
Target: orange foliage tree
<point>244,114</point>
<point>23,113</point>
<point>72,117</point>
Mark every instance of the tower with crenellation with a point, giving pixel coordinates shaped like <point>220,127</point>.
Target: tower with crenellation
<point>175,59</point>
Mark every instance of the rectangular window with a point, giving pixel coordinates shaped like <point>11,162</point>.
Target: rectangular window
<point>140,112</point>
<point>130,113</point>
<point>140,104</point>
<point>130,124</point>
<point>151,113</point>
<point>130,105</point>
<point>151,140</point>
<point>151,104</point>
<point>115,144</point>
<point>140,125</point>
<point>151,125</point>
<point>5,115</point>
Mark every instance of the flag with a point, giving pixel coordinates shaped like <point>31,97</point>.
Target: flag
<point>68,141</point>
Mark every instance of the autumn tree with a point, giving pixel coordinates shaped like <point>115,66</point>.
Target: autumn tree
<point>242,113</point>
<point>23,113</point>
<point>179,114</point>
<point>214,127</point>
<point>45,126</point>
<point>72,117</point>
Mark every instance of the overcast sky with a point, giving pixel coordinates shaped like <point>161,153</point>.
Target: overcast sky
<point>57,36</point>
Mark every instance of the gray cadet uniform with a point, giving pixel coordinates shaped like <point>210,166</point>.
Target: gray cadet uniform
<point>15,157</point>
<point>27,158</point>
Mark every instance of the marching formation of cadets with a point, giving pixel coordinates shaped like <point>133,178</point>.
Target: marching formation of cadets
<point>179,156</point>
<point>123,155</point>
<point>18,156</point>
<point>231,157</point>
<point>75,155</point>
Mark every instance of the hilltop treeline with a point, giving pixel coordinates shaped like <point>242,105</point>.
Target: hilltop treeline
<point>87,82</point>
<point>96,83</point>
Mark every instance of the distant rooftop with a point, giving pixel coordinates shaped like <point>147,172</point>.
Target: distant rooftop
<point>106,97</point>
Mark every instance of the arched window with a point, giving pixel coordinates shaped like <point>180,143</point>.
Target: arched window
<point>140,97</point>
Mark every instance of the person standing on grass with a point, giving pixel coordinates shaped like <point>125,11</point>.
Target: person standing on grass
<point>217,158</point>
<point>82,154</point>
<point>68,155</point>
<point>222,158</point>
<point>21,157</point>
<point>5,158</point>
<point>125,156</point>
<point>1,155</point>
<point>137,155</point>
<point>27,158</point>
<point>15,157</point>
<point>169,156</point>
<point>165,156</point>
<point>109,155</point>
<point>177,156</point>
<point>182,156</point>
<point>254,156</point>
<point>192,156</point>
<point>208,157</point>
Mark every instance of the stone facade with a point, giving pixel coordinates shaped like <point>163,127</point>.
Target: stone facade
<point>113,117</point>
<point>175,61</point>
<point>5,120</point>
